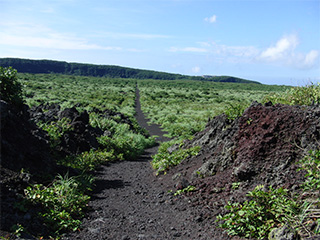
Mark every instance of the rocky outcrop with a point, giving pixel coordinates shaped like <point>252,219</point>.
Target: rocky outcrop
<point>44,112</point>
<point>23,144</point>
<point>263,144</point>
<point>25,158</point>
<point>80,135</point>
<point>260,147</point>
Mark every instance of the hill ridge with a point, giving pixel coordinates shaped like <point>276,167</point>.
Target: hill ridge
<point>113,71</point>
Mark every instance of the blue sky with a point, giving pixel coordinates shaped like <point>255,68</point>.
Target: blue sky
<point>274,41</point>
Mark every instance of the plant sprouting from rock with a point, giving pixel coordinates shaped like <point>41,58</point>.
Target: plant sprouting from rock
<point>272,208</point>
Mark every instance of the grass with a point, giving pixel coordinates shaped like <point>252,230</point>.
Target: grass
<point>90,160</point>
<point>183,107</point>
<point>165,159</point>
<point>87,93</point>
<point>303,95</point>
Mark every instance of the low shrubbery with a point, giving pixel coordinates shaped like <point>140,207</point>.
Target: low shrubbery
<point>87,93</point>
<point>122,141</point>
<point>128,146</point>
<point>62,203</point>
<point>235,110</point>
<point>304,95</point>
<point>272,208</point>
<point>311,163</point>
<point>265,210</point>
<point>56,129</point>
<point>183,108</point>
<point>90,160</point>
<point>165,159</point>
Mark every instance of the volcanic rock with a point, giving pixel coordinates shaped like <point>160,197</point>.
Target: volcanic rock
<point>262,146</point>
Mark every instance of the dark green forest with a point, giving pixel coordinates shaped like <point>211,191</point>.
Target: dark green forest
<point>81,69</point>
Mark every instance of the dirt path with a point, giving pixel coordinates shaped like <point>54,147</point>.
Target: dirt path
<point>153,129</point>
<point>129,202</point>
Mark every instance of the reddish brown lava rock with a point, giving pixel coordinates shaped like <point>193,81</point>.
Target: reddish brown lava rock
<point>261,147</point>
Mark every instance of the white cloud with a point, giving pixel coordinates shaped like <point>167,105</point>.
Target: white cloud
<point>51,42</point>
<point>311,58</point>
<point>234,51</point>
<point>211,19</point>
<point>284,52</point>
<point>283,47</point>
<point>196,69</point>
<point>188,49</point>
<point>135,50</point>
<point>38,36</point>
<point>143,36</point>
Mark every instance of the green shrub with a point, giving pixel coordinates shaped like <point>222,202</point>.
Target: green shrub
<point>305,95</point>
<point>274,207</point>
<point>10,88</point>
<point>112,124</point>
<point>189,188</point>
<point>90,160</point>
<point>56,129</point>
<point>256,217</point>
<point>101,122</point>
<point>235,110</point>
<point>311,204</point>
<point>127,144</point>
<point>62,203</point>
<point>164,159</point>
<point>311,164</point>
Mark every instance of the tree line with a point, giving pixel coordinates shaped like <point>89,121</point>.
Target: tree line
<point>81,69</point>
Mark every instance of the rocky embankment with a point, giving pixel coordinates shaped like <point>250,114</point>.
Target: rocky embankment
<point>261,147</point>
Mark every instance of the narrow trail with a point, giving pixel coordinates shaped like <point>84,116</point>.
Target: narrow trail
<point>153,129</point>
<point>129,202</point>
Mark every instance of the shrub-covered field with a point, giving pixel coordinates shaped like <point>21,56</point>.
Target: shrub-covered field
<point>183,107</point>
<point>85,92</point>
